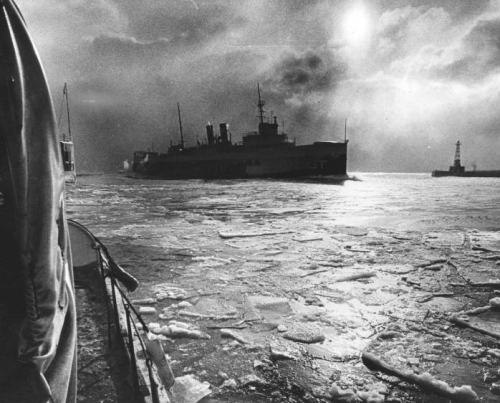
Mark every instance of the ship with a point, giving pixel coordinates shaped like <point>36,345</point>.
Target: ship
<point>66,143</point>
<point>457,169</point>
<point>265,153</point>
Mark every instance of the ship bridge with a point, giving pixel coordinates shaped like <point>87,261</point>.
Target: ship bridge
<point>256,139</point>
<point>266,136</point>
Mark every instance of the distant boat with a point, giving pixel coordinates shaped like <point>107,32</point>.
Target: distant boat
<point>66,143</point>
<point>126,167</point>
<point>265,153</point>
<point>458,170</point>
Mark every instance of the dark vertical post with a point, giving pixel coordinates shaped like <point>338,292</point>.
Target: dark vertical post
<point>345,130</point>
<point>65,92</point>
<point>180,124</point>
<point>131,349</point>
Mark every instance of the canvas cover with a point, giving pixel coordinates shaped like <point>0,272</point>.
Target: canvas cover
<point>37,304</point>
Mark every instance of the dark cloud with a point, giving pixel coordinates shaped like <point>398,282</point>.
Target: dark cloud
<point>298,88</point>
<point>459,9</point>
<point>309,72</point>
<point>404,32</point>
<point>479,53</point>
<point>180,22</point>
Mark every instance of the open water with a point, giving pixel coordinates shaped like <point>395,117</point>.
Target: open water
<point>115,205</point>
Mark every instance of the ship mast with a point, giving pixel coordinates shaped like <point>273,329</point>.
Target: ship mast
<point>345,130</point>
<point>180,124</point>
<point>65,93</point>
<point>260,105</point>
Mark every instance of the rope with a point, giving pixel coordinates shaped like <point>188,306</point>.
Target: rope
<point>139,317</point>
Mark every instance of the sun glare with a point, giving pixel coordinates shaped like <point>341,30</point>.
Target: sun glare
<point>357,25</point>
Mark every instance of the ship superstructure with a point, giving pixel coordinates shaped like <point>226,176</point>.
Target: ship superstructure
<point>262,153</point>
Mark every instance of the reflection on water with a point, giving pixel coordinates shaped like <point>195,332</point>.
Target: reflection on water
<point>405,201</point>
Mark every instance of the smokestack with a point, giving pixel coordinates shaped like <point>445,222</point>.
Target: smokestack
<point>223,132</point>
<point>210,134</point>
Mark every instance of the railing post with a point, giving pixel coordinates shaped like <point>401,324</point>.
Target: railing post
<point>131,349</point>
<point>105,292</point>
<point>154,386</point>
<point>113,293</point>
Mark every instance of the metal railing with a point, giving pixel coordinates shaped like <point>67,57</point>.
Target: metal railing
<point>122,315</point>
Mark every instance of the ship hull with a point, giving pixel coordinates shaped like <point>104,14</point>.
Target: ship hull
<point>468,174</point>
<point>238,162</point>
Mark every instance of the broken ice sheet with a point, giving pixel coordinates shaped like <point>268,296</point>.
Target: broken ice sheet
<point>396,350</point>
<point>308,237</point>
<point>166,290</point>
<point>248,234</point>
<point>187,389</point>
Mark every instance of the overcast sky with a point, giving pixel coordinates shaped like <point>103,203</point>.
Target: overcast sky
<point>410,76</point>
